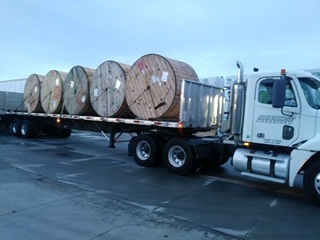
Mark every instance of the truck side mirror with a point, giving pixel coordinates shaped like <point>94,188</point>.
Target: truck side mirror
<point>279,93</point>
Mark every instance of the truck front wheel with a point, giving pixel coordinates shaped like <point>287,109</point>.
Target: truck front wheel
<point>311,182</point>
<point>178,156</point>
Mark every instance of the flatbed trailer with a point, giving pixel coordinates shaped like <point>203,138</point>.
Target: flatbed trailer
<point>105,125</point>
<point>199,112</point>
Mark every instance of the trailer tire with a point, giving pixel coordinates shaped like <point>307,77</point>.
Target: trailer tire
<point>179,157</point>
<point>15,128</point>
<point>159,147</point>
<point>145,151</point>
<point>311,182</point>
<point>28,129</point>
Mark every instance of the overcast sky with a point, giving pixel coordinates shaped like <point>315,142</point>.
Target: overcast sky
<point>210,35</point>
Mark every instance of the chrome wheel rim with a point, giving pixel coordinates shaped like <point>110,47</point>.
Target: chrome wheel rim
<point>143,150</point>
<point>23,130</point>
<point>317,183</point>
<point>177,156</point>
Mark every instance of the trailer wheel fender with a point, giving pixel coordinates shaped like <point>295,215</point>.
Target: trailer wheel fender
<point>145,150</point>
<point>159,147</point>
<point>179,157</point>
<point>311,182</point>
<point>15,128</point>
<point>130,146</point>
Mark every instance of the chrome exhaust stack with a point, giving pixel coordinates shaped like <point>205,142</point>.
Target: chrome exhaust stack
<point>240,72</point>
<point>237,105</point>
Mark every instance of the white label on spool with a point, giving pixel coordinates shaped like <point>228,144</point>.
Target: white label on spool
<point>96,92</point>
<point>164,77</point>
<point>57,82</point>
<point>35,89</point>
<point>71,84</point>
<point>118,83</point>
<point>153,78</point>
<point>83,99</point>
<point>54,104</point>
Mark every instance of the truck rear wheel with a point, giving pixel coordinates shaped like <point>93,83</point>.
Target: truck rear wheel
<point>15,128</point>
<point>145,150</point>
<point>311,182</point>
<point>179,157</point>
<point>28,129</point>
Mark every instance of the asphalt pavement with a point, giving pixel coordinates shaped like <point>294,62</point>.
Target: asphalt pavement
<point>78,188</point>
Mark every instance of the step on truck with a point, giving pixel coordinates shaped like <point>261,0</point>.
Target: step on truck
<point>270,131</point>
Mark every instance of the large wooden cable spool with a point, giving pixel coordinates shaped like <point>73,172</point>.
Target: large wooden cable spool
<point>154,86</point>
<point>108,89</point>
<point>76,93</point>
<point>31,95</point>
<point>52,91</point>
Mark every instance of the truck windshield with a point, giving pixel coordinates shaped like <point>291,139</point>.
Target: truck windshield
<point>311,90</point>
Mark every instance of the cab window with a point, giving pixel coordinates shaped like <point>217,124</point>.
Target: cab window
<point>265,92</point>
<point>311,90</point>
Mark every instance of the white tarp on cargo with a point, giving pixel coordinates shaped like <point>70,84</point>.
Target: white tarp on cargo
<point>315,72</point>
<point>218,82</point>
<point>16,85</point>
<point>11,101</point>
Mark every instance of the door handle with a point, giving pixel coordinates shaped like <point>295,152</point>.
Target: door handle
<point>287,109</point>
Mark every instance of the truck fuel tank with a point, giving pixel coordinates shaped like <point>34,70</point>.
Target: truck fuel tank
<point>266,163</point>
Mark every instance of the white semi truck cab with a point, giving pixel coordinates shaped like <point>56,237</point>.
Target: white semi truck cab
<point>275,124</point>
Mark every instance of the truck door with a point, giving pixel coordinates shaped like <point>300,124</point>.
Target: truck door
<point>275,126</point>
